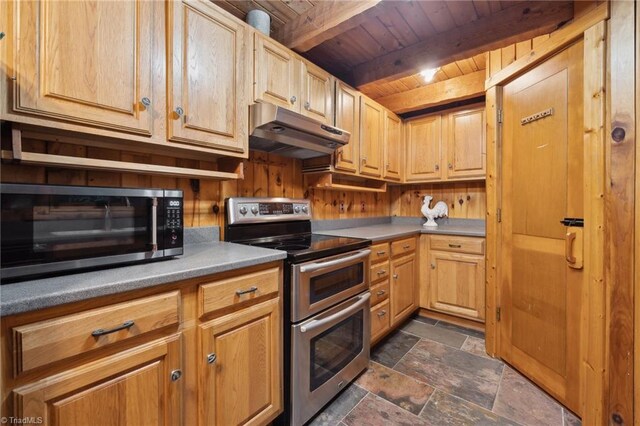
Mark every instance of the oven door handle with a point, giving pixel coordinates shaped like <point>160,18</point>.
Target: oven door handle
<point>336,262</point>
<point>314,324</point>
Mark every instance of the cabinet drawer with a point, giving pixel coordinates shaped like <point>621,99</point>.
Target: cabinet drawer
<point>379,292</point>
<point>403,246</point>
<point>457,244</point>
<point>236,290</point>
<point>48,341</point>
<point>379,271</point>
<point>380,322</point>
<point>379,252</point>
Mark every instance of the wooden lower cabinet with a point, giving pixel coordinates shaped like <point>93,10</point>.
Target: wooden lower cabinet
<point>380,320</point>
<point>241,374</point>
<point>133,387</point>
<point>403,294</point>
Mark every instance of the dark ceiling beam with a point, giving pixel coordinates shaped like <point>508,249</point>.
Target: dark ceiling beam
<point>325,20</point>
<point>516,23</point>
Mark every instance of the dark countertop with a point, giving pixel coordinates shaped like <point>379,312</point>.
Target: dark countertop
<point>198,260</point>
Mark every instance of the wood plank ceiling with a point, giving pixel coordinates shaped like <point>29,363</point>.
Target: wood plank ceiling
<point>389,27</point>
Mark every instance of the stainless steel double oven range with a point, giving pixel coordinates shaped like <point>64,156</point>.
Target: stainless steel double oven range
<point>325,299</point>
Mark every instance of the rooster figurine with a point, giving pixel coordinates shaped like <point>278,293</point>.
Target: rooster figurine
<point>439,210</point>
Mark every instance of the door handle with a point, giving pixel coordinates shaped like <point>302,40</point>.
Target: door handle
<point>314,324</point>
<point>568,247</point>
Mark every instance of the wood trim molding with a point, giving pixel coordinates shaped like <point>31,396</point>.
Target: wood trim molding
<point>466,86</point>
<point>519,22</point>
<point>558,40</point>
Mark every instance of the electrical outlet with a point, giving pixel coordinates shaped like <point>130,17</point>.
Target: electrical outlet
<point>341,206</point>
<point>362,207</point>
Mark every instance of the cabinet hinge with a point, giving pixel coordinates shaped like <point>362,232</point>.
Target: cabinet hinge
<point>499,215</point>
<point>498,312</point>
<point>500,116</point>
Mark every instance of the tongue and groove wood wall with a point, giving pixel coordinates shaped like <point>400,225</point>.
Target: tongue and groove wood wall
<point>265,176</point>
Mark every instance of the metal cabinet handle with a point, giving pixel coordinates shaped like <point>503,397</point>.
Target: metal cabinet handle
<point>293,99</point>
<point>380,253</point>
<point>380,292</point>
<point>211,358</point>
<point>406,246</point>
<point>145,101</point>
<point>381,272</point>
<point>175,375</point>
<point>250,290</point>
<point>101,331</point>
<point>382,313</point>
<point>450,166</point>
<point>395,276</point>
<point>433,266</point>
<point>2,34</point>
<point>437,167</point>
<point>179,111</point>
<point>455,245</point>
<point>307,106</point>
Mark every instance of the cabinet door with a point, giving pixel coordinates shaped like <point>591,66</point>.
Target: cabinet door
<point>317,93</point>
<point>276,74</point>
<point>393,146</point>
<point>242,371</point>
<point>87,62</point>
<point>371,137</point>
<point>130,388</point>
<point>403,287</point>
<point>348,118</point>
<point>424,149</point>
<point>208,78</point>
<point>466,147</point>
<point>456,284</point>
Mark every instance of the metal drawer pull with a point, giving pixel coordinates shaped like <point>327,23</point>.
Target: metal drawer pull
<point>455,245</point>
<point>175,375</point>
<point>382,272</point>
<point>433,266</point>
<point>211,358</point>
<point>406,247</point>
<point>395,276</point>
<point>102,331</point>
<point>380,253</point>
<point>380,292</point>
<point>250,290</point>
<point>382,313</point>
<point>146,101</point>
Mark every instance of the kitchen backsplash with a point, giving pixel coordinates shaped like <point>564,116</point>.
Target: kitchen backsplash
<point>266,175</point>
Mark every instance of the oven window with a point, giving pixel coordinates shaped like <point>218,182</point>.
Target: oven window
<point>334,282</point>
<point>335,348</point>
<point>53,228</point>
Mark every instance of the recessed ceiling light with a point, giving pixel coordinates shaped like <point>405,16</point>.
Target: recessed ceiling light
<point>429,73</point>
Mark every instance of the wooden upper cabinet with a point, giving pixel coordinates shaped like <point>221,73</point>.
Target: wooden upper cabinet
<point>348,118</point>
<point>316,93</point>
<point>88,62</point>
<point>371,137</point>
<point>393,147</point>
<point>276,74</point>
<point>423,149</point>
<point>466,146</point>
<point>129,388</point>
<point>208,78</point>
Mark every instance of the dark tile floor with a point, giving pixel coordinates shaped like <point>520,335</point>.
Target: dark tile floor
<point>435,373</point>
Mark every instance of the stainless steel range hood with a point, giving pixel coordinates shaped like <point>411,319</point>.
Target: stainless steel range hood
<point>279,131</point>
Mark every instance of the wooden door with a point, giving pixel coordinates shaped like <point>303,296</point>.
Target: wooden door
<point>316,92</point>
<point>129,388</point>
<point>393,146</point>
<point>276,74</point>
<point>403,287</point>
<point>242,367</point>
<point>456,284</point>
<point>466,147</point>
<point>542,183</point>
<point>371,137</point>
<point>423,149</point>
<point>348,118</point>
<point>208,73</point>
<point>88,62</point>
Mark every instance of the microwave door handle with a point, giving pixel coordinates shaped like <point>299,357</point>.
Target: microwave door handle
<point>154,224</point>
<point>314,324</point>
<point>321,265</point>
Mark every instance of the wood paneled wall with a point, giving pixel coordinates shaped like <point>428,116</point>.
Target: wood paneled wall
<point>466,200</point>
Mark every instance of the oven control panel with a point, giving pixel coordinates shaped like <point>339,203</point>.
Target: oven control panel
<point>256,210</point>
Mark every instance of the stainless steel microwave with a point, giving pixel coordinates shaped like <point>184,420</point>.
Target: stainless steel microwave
<point>51,229</point>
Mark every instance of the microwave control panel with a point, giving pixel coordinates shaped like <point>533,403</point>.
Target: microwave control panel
<point>173,212</point>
